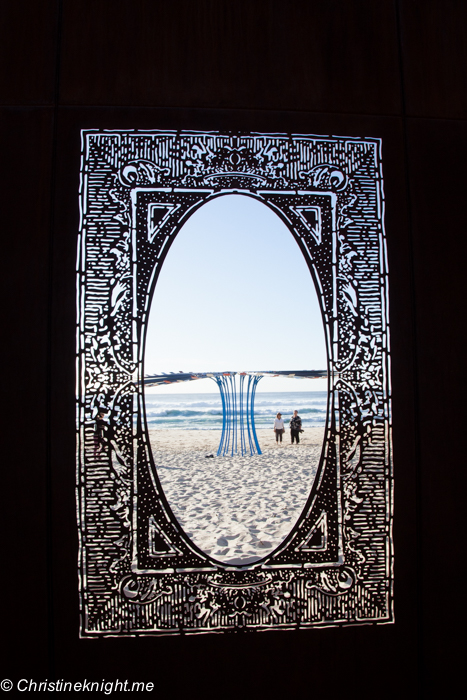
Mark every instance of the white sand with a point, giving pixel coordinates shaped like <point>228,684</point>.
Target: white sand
<point>236,509</point>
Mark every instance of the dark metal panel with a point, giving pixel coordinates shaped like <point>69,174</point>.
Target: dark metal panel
<point>266,54</point>
<point>438,184</point>
<point>26,166</point>
<point>28,34</point>
<point>434,49</point>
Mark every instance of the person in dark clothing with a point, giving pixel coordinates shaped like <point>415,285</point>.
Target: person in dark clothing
<point>295,427</point>
<point>99,433</point>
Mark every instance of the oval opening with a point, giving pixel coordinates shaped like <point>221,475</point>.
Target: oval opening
<point>235,294</point>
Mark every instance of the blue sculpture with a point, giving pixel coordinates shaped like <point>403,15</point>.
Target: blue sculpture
<point>237,411</point>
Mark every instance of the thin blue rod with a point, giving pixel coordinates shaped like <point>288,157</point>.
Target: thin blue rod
<point>221,443</point>
<point>242,425</point>
<point>234,414</point>
<point>256,380</point>
<point>224,417</point>
<point>227,415</point>
<point>228,401</point>
<point>248,399</point>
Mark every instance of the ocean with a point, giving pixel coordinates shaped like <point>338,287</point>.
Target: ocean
<point>204,411</point>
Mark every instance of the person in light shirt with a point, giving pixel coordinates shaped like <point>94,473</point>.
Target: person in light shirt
<point>279,427</point>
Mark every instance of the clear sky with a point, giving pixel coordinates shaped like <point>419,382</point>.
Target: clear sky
<point>235,293</point>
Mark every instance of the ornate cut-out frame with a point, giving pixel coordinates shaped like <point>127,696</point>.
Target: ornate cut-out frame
<point>139,573</point>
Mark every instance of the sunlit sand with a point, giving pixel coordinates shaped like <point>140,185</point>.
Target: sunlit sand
<point>236,509</point>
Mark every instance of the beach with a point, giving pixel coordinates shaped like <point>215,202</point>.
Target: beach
<point>236,509</point>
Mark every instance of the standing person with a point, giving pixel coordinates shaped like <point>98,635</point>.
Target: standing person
<point>99,432</point>
<point>279,427</point>
<point>295,427</point>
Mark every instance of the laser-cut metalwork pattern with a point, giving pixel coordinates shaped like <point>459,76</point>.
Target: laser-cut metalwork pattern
<point>139,573</point>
